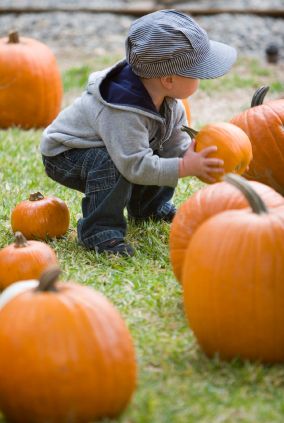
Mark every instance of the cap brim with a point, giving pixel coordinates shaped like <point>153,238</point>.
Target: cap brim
<point>218,62</point>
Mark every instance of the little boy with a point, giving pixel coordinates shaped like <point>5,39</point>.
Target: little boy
<point>121,142</point>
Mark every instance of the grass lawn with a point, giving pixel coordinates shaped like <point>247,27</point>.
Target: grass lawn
<point>177,383</point>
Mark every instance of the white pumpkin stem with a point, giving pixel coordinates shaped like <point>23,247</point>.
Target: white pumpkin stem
<point>190,131</point>
<point>48,279</point>
<point>20,240</point>
<point>255,201</point>
<point>258,97</point>
<point>36,196</point>
<point>13,37</point>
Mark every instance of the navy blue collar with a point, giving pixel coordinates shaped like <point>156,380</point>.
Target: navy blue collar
<point>121,86</point>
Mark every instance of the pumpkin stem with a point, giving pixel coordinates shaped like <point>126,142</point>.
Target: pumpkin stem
<point>36,196</point>
<point>20,240</point>
<point>48,278</point>
<point>13,37</point>
<point>190,131</point>
<point>258,96</point>
<point>255,201</point>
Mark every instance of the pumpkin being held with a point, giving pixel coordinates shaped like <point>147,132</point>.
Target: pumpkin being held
<point>41,217</point>
<point>233,146</point>
<point>69,356</point>
<point>24,260</point>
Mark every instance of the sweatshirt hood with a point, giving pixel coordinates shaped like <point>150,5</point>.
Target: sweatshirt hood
<point>119,86</point>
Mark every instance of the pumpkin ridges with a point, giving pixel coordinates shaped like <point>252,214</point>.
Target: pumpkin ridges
<point>46,217</point>
<point>264,125</point>
<point>234,293</point>
<point>203,204</point>
<point>85,371</point>
<point>26,262</point>
<point>21,101</point>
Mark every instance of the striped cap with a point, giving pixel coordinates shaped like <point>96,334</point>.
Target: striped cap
<point>169,42</point>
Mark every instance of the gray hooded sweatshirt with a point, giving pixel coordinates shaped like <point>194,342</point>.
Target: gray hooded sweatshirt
<point>116,112</point>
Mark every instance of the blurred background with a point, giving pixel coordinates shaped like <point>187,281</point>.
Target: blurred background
<point>77,29</point>
<point>86,35</point>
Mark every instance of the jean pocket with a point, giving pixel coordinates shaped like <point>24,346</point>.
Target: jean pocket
<point>100,180</point>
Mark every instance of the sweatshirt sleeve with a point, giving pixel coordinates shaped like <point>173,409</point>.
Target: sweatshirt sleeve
<point>126,138</point>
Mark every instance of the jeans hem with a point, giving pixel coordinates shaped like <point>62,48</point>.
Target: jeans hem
<point>93,241</point>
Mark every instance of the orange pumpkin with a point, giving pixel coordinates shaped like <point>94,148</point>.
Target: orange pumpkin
<point>41,217</point>
<point>234,146</point>
<point>264,123</point>
<point>24,260</point>
<point>187,109</point>
<point>31,88</point>
<point>203,204</point>
<point>233,281</point>
<point>66,355</point>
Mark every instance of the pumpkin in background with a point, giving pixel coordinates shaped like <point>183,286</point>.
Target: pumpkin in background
<point>24,260</point>
<point>66,354</point>
<point>264,124</point>
<point>233,281</point>
<point>203,204</point>
<point>234,146</point>
<point>31,87</point>
<point>41,217</point>
<point>187,109</point>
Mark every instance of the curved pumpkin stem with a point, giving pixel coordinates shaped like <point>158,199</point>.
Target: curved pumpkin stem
<point>13,37</point>
<point>48,279</point>
<point>36,196</point>
<point>190,131</point>
<point>258,96</point>
<point>255,201</point>
<point>20,240</point>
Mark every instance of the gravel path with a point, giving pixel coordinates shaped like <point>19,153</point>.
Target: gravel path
<point>87,34</point>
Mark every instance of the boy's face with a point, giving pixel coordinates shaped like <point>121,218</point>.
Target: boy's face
<point>180,86</point>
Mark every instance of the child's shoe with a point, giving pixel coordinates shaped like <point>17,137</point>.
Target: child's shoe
<point>166,214</point>
<point>115,246</point>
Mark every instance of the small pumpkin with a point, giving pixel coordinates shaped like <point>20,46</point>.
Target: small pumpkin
<point>264,124</point>
<point>66,351</point>
<point>24,260</point>
<point>234,146</point>
<point>207,202</point>
<point>41,217</point>
<point>233,281</point>
<point>187,109</point>
<point>31,87</point>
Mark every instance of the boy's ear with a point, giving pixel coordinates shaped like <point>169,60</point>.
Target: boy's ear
<point>167,81</point>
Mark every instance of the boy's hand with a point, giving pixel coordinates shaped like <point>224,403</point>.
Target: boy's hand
<point>198,164</point>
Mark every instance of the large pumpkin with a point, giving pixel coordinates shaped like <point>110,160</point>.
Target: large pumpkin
<point>66,354</point>
<point>234,146</point>
<point>30,83</point>
<point>264,124</point>
<point>205,203</point>
<point>24,260</point>
<point>41,217</point>
<point>233,281</point>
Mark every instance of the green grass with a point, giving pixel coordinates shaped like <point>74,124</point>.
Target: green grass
<point>177,383</point>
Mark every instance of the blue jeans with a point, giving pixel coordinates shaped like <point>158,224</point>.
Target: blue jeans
<point>107,193</point>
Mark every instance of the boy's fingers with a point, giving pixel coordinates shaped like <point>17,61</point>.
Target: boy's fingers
<point>208,150</point>
<point>215,162</point>
<point>216,170</point>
